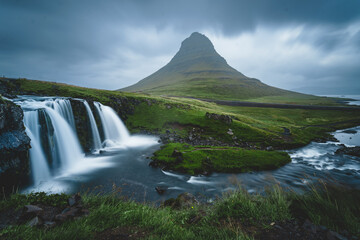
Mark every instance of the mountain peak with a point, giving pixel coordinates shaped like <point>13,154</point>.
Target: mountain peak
<point>196,46</point>
<point>197,41</point>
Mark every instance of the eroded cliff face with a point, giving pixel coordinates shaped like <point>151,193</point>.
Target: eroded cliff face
<point>14,147</point>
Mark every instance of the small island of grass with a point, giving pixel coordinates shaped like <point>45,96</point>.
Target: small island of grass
<point>189,159</point>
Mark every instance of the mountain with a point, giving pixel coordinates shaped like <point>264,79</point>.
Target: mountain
<point>197,70</point>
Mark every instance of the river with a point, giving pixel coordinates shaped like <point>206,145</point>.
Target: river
<point>124,167</point>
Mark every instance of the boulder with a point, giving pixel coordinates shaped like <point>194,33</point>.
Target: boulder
<point>286,131</point>
<point>36,221</point>
<point>184,200</point>
<point>161,189</point>
<point>74,200</point>
<point>32,209</point>
<point>353,151</point>
<point>224,118</point>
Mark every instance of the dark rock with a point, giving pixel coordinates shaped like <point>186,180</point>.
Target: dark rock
<point>36,221</point>
<point>82,123</point>
<point>65,210</point>
<point>161,189</point>
<point>334,236</point>
<point>85,212</point>
<point>309,226</point>
<point>60,218</point>
<point>350,131</point>
<point>14,147</point>
<point>72,212</point>
<point>30,212</point>
<point>353,151</point>
<point>286,131</point>
<point>49,224</point>
<point>74,200</point>
<point>32,209</point>
<point>184,200</point>
<point>153,164</point>
<point>224,118</point>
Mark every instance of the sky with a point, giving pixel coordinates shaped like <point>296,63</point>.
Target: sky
<point>312,46</point>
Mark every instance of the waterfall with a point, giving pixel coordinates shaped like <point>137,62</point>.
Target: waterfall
<point>66,141</point>
<point>39,166</point>
<point>54,133</point>
<point>55,147</point>
<point>94,129</point>
<point>63,107</point>
<point>115,131</point>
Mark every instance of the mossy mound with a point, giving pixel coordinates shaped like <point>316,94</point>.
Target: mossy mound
<point>204,160</point>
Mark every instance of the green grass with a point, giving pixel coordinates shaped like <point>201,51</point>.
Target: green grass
<point>297,98</point>
<point>228,217</point>
<point>329,204</point>
<point>197,159</point>
<point>64,90</point>
<point>255,208</point>
<point>16,200</point>
<point>259,127</point>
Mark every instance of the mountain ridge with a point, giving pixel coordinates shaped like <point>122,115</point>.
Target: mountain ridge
<point>198,70</point>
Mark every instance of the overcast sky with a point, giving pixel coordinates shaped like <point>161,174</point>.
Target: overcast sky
<point>307,45</point>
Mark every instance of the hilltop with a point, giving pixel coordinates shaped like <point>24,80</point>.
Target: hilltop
<point>197,70</point>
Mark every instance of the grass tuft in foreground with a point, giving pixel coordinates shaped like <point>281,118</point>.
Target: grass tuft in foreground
<point>235,215</point>
<point>329,204</point>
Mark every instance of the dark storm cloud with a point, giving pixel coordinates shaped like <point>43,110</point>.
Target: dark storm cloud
<point>120,42</point>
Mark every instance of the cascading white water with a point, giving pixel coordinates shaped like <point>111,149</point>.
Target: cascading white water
<point>62,140</point>
<point>39,165</point>
<point>67,144</point>
<point>55,148</point>
<point>115,131</point>
<point>63,107</point>
<point>94,129</point>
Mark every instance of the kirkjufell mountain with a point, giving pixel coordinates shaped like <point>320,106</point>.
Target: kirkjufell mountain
<point>197,70</point>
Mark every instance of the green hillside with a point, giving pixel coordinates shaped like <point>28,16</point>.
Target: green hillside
<point>197,70</point>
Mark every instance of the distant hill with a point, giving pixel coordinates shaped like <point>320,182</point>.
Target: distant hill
<point>197,70</point>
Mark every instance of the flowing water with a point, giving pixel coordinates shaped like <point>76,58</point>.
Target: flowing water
<point>94,130</point>
<point>123,159</point>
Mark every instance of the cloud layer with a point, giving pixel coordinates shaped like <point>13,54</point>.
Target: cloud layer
<point>312,46</point>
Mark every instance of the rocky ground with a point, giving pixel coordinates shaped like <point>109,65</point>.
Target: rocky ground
<point>42,215</point>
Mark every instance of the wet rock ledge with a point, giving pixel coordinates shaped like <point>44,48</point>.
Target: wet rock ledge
<point>14,147</point>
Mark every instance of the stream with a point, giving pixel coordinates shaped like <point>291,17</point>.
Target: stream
<point>120,161</point>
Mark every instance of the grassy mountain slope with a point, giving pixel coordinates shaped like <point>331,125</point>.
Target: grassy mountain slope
<point>197,70</point>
